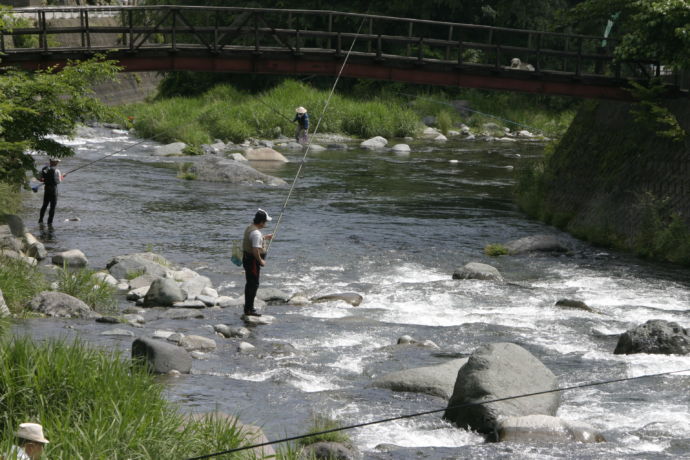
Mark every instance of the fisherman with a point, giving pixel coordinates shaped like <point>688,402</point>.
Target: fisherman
<point>302,119</point>
<point>253,258</point>
<point>30,442</point>
<point>51,177</point>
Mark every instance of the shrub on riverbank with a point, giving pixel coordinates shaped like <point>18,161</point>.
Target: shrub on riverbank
<point>227,114</point>
<point>10,199</point>
<point>94,404</point>
<point>83,285</point>
<point>19,282</point>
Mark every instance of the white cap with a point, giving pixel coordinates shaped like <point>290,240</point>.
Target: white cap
<point>301,110</point>
<point>261,213</point>
<point>31,432</point>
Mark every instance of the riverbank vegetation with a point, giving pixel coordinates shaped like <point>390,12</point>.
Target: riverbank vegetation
<point>95,404</point>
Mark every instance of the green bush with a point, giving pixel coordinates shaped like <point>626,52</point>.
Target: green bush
<point>444,120</point>
<point>19,283</point>
<point>322,423</point>
<point>495,250</point>
<point>10,199</point>
<point>83,285</point>
<point>96,405</point>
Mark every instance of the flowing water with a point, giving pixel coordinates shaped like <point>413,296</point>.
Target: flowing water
<point>392,228</point>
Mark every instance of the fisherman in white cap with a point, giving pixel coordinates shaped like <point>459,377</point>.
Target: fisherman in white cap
<point>254,258</point>
<point>51,177</point>
<point>302,119</point>
<point>30,442</point>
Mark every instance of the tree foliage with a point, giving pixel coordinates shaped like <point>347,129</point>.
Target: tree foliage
<point>34,106</point>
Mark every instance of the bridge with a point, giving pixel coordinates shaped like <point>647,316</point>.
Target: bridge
<point>308,42</point>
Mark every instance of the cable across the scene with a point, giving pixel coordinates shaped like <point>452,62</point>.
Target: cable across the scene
<point>311,138</point>
<point>433,411</point>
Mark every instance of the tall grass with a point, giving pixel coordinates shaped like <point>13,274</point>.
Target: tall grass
<point>95,405</point>
<point>323,423</point>
<point>83,285</point>
<point>10,199</point>
<point>19,282</point>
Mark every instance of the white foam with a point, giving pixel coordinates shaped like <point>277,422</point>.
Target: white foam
<point>415,434</point>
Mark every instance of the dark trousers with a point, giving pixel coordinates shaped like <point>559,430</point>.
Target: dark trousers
<point>252,269</point>
<point>49,198</point>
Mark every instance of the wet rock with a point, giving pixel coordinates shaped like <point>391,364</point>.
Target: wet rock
<point>237,157</point>
<point>534,243</point>
<point>336,146</point>
<point>231,332</point>
<point>492,129</point>
<point>106,278</point>
<point>163,292</point>
<point>184,274</point>
<point>60,305</point>
<point>215,169</point>
<point>108,320</point>
<point>500,370</point>
<point>161,357</point>
<point>432,380</point>
<point>477,271</point>
<point>401,148</point>
<point>136,294</point>
<point>406,340</point>
<point>352,298</point>
<point>430,132</point>
<point>576,304</point>
<point>73,258</point>
<point>160,334</point>
<point>207,300</point>
<point>134,318</point>
<point>316,148</point>
<point>257,320</point>
<point>326,450</point>
<point>134,311</point>
<point>181,313</point>
<point>244,347</point>
<point>141,281</point>
<point>174,148</point>
<point>118,333</point>
<point>545,428</point>
<point>197,343</point>
<point>4,310</point>
<point>226,301</point>
<point>123,267</point>
<point>15,224</point>
<point>189,304</point>
<point>9,242</point>
<point>656,337</point>
<point>210,292</point>
<point>193,287</point>
<point>374,143</point>
<point>298,300</point>
<point>264,154</point>
<point>440,138</point>
<point>273,296</point>
<point>34,248</point>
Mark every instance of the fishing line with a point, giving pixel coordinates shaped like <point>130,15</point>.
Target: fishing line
<point>505,120</point>
<point>273,109</point>
<point>311,138</point>
<point>419,414</point>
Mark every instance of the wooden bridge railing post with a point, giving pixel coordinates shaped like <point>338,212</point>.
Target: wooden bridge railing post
<point>297,40</point>
<point>578,64</point>
<point>371,32</point>
<point>379,51</point>
<point>537,64</point>
<point>174,29</point>
<point>330,31</point>
<point>216,24</point>
<point>461,50</point>
<point>130,20</point>
<point>338,45</point>
<point>450,37</point>
<point>43,38</point>
<point>409,35</point>
<point>420,51</point>
<point>87,30</point>
<point>257,48</point>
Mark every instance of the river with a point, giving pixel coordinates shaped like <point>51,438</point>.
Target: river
<point>392,228</point>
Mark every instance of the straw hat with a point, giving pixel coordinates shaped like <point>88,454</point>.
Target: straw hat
<point>31,432</point>
<point>301,110</point>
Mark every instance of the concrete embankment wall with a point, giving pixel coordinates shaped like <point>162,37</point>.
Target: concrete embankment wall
<point>609,172</point>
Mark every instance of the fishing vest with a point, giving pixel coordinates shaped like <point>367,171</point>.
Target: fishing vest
<point>246,242</point>
<point>48,174</point>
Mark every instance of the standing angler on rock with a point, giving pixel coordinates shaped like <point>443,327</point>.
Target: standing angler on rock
<point>302,119</point>
<point>253,254</point>
<point>51,177</point>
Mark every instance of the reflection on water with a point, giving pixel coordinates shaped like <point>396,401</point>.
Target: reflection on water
<point>393,229</point>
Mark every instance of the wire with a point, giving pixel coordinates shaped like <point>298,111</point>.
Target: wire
<point>311,138</point>
<point>433,411</point>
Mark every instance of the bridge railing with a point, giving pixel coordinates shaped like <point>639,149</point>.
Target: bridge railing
<point>329,34</point>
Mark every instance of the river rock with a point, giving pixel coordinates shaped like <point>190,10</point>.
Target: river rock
<point>257,320</point>
<point>162,334</point>
<point>181,275</point>
<point>264,154</point>
<point>161,357</point>
<point>245,347</point>
<point>316,148</point>
<point>181,313</point>
<point>15,224</point>
<point>207,300</point>
<point>336,146</point>
<point>327,450</point>
<point>8,241</point>
<point>401,148</point>
<point>545,429</point>
<point>193,287</point>
<point>231,332</point>
<point>432,380</point>
<point>189,304</point>
<point>106,278</point>
<point>210,292</point>
<point>4,310</point>
<point>477,271</point>
<point>575,304</point>
<point>352,298</point>
<point>374,143</point>
<point>136,294</point>
<point>225,301</point>
<point>237,157</point>
<point>123,267</point>
<point>197,343</point>
<point>174,148</point>
<point>492,129</point>
<point>440,138</point>
<point>214,169</point>
<point>495,371</point>
<point>298,300</point>
<point>133,318</point>
<point>163,292</point>
<point>60,305</point>
<point>655,336</point>
<point>140,281</point>
<point>272,295</point>
<point>73,258</point>
<point>33,247</point>
<point>534,243</point>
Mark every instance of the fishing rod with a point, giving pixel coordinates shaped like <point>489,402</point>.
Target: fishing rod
<point>274,110</point>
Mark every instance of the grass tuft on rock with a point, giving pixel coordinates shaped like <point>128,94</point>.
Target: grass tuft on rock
<point>19,283</point>
<point>83,285</point>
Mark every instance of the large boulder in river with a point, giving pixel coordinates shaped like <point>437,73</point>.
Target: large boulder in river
<point>352,298</point>
<point>215,169</point>
<point>60,305</point>
<point>133,265</point>
<point>535,243</point>
<point>174,148</point>
<point>432,380</point>
<point>495,371</point>
<point>163,292</point>
<point>161,357</point>
<point>264,154</point>
<point>73,258</point>
<point>329,450</point>
<point>374,143</point>
<point>545,428</point>
<point>655,336</point>
<point>477,271</point>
